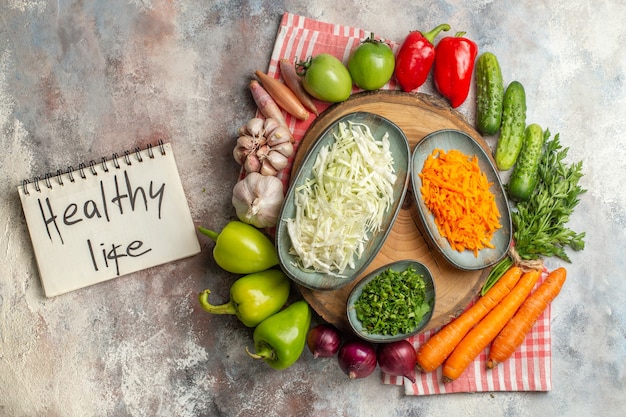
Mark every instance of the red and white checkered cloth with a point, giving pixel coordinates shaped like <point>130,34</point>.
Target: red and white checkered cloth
<point>529,369</point>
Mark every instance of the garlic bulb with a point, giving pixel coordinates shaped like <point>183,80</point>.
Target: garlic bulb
<point>257,199</point>
<point>263,146</point>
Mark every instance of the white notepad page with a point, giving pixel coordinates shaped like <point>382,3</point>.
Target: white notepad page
<point>108,218</point>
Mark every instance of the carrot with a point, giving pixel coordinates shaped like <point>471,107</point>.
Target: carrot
<point>514,333</point>
<point>477,339</point>
<point>283,96</point>
<point>457,193</point>
<point>435,350</point>
<point>294,82</point>
<point>266,104</point>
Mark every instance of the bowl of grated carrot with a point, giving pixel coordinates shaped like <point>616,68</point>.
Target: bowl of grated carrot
<point>461,201</point>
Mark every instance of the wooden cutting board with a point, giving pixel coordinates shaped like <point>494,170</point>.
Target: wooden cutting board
<point>417,115</point>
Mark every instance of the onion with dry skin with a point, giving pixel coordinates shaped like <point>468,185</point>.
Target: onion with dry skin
<point>263,146</point>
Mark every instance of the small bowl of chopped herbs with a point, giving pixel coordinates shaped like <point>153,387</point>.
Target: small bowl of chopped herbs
<point>393,302</point>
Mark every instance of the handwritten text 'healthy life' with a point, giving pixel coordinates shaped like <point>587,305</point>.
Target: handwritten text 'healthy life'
<point>123,198</point>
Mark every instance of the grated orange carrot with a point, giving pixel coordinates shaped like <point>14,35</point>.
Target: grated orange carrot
<point>457,193</point>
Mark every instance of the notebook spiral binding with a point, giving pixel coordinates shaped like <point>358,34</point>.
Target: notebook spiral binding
<point>83,169</point>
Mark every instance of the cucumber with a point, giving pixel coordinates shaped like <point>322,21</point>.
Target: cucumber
<point>525,174</point>
<point>513,125</point>
<point>489,94</point>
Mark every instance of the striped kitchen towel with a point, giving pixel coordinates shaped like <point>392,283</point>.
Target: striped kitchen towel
<point>529,369</point>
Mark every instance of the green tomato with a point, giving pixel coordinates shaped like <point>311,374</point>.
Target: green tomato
<point>326,78</point>
<point>371,64</point>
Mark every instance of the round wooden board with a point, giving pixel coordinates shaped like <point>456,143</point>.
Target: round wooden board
<point>417,115</point>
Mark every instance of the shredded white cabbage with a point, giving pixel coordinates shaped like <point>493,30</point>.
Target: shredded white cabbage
<point>344,200</point>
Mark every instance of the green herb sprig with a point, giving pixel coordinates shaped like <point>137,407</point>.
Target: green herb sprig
<point>393,302</point>
<point>540,223</point>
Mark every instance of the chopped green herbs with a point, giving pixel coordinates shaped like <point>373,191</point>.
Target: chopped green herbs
<point>393,302</point>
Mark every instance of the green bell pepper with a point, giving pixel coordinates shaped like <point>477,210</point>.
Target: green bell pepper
<point>253,298</point>
<point>280,339</point>
<point>242,249</point>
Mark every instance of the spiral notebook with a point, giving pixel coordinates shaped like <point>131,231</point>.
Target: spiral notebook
<point>109,218</point>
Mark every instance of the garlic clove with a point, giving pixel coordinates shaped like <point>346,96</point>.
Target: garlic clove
<point>252,163</point>
<point>285,148</point>
<point>247,142</point>
<point>262,152</point>
<point>279,135</point>
<point>267,168</point>
<point>277,159</point>
<point>240,153</point>
<point>270,124</point>
<point>255,126</point>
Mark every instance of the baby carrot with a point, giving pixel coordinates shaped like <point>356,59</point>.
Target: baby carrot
<point>477,339</point>
<point>518,327</point>
<point>283,96</point>
<point>435,350</point>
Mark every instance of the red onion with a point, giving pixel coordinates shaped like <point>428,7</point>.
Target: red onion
<point>398,359</point>
<point>357,358</point>
<point>323,341</point>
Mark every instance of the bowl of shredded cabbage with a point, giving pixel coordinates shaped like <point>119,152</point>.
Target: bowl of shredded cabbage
<point>343,201</point>
<point>460,200</point>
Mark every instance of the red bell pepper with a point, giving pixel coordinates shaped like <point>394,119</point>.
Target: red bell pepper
<point>454,66</point>
<point>415,57</point>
